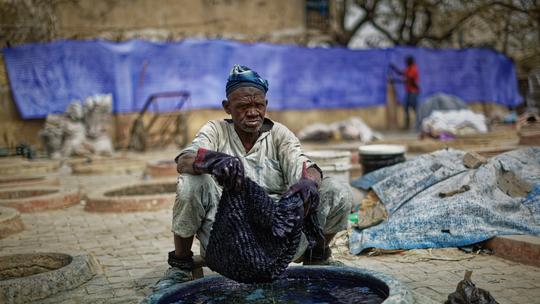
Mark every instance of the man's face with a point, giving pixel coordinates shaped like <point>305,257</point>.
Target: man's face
<point>247,106</point>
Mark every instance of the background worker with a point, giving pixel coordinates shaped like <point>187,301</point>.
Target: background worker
<point>411,85</point>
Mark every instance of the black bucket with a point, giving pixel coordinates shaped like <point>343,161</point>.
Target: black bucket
<point>373,157</point>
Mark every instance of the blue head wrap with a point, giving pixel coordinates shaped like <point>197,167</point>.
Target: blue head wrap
<point>242,76</point>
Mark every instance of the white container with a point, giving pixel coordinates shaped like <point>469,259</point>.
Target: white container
<point>332,162</point>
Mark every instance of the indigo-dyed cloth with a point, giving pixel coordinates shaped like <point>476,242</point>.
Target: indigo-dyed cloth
<point>420,218</point>
<point>198,196</point>
<point>254,238</point>
<point>242,76</point>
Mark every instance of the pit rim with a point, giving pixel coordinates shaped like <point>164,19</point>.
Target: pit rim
<point>397,292</point>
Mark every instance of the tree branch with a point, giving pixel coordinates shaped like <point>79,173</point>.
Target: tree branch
<point>385,32</point>
<point>510,6</point>
<point>413,40</point>
<point>451,30</point>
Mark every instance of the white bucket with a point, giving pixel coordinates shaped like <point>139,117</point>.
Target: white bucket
<point>332,162</point>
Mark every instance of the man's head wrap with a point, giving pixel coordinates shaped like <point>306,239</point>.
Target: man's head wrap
<point>242,76</point>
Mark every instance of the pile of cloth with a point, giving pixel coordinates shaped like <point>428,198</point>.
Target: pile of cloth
<point>454,122</point>
<point>444,116</point>
<point>81,130</point>
<point>353,128</point>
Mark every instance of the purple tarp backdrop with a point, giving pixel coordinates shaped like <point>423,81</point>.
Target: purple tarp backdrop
<point>45,77</point>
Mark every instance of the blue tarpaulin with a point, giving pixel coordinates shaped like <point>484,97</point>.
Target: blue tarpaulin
<point>420,218</point>
<point>45,77</point>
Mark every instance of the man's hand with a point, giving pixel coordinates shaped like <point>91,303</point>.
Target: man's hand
<point>228,170</point>
<point>307,187</point>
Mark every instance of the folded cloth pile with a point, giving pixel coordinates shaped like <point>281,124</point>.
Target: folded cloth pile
<point>254,238</point>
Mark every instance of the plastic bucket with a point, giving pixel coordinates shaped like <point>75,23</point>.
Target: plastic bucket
<point>332,162</point>
<point>373,157</point>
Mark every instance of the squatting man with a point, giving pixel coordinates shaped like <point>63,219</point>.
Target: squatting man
<point>270,154</point>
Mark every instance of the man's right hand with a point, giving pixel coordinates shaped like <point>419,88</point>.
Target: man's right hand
<point>228,170</point>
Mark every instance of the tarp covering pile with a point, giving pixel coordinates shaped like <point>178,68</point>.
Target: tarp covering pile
<point>419,217</point>
<point>455,122</point>
<point>254,238</point>
<point>45,77</point>
<point>437,102</point>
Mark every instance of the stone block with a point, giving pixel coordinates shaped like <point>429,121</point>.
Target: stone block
<point>474,160</point>
<point>518,248</point>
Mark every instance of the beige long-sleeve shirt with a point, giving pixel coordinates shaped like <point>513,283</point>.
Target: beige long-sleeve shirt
<point>274,162</point>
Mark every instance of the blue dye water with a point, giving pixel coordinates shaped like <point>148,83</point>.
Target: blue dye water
<point>289,291</point>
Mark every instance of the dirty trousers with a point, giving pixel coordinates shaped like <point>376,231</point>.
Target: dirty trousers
<point>197,198</point>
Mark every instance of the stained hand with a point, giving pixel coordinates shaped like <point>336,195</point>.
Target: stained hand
<point>307,187</point>
<point>228,170</point>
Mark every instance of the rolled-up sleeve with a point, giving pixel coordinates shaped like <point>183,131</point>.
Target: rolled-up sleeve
<point>206,138</point>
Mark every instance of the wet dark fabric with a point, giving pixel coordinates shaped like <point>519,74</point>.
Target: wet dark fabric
<point>254,238</point>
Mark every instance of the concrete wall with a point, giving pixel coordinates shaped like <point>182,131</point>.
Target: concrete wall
<point>177,19</point>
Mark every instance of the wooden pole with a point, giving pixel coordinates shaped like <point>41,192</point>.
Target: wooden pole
<point>130,124</point>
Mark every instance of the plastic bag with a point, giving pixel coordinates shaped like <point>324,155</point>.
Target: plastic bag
<point>467,293</point>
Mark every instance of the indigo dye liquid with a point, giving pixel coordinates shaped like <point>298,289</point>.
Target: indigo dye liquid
<point>289,291</point>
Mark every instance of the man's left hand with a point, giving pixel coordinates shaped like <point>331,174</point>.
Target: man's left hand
<point>307,187</point>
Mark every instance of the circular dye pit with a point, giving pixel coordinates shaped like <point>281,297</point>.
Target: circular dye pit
<point>25,193</point>
<point>110,165</point>
<point>306,284</point>
<point>161,168</point>
<point>28,181</point>
<point>32,276</point>
<point>32,199</point>
<point>19,166</point>
<point>151,189</point>
<point>141,196</point>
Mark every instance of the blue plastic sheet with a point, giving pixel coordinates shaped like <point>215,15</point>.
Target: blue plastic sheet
<point>45,77</point>
<point>419,218</point>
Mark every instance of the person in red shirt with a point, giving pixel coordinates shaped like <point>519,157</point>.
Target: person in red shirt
<point>411,84</point>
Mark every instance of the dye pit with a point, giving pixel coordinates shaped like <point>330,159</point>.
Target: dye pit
<point>305,284</point>
<point>290,292</point>
<point>24,193</point>
<point>27,277</point>
<point>144,190</point>
<point>20,180</point>
<point>19,266</point>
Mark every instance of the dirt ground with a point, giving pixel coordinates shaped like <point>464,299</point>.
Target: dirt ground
<point>132,247</point>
